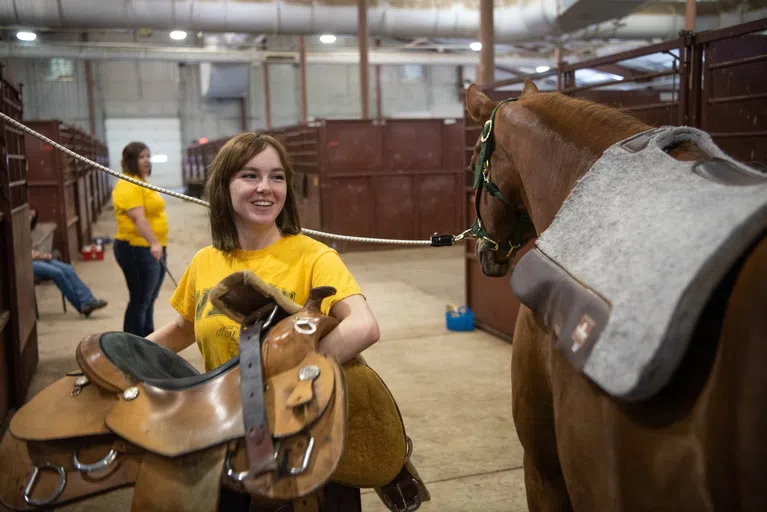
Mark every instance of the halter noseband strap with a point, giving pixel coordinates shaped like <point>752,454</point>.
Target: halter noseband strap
<point>482,180</point>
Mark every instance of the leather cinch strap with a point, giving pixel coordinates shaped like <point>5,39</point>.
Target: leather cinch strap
<point>258,438</point>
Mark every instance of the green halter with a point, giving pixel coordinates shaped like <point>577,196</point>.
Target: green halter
<point>482,180</point>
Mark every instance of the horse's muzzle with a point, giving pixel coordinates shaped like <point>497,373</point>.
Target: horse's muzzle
<point>493,263</point>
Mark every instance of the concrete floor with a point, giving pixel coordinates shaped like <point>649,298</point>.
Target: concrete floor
<point>453,388</point>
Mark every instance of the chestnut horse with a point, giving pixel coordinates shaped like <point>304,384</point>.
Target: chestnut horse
<point>698,445</point>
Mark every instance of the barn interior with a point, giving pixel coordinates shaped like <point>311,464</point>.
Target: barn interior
<point>368,97</point>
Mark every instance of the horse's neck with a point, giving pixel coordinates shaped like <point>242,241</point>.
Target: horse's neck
<point>550,173</point>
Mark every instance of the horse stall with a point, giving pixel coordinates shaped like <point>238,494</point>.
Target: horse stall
<point>389,178</point>
<point>715,82</point>
<point>64,190</point>
<point>18,326</point>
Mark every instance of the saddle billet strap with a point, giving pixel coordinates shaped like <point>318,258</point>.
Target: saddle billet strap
<point>258,438</point>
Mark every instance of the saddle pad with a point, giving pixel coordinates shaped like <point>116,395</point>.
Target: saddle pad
<point>652,236</point>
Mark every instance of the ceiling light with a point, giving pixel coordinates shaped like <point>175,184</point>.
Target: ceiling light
<point>542,69</point>
<point>476,46</point>
<point>26,36</point>
<point>158,159</point>
<point>178,35</point>
<point>327,38</point>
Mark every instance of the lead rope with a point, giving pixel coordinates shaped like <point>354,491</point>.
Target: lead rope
<point>437,240</point>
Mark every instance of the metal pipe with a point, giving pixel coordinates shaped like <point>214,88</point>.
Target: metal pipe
<point>689,16</point>
<point>267,100</point>
<point>486,70</point>
<point>525,20</point>
<point>302,79</point>
<point>363,47</point>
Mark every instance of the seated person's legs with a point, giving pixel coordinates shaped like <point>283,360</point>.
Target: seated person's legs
<point>69,283</point>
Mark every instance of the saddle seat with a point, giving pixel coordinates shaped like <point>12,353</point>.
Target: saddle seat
<point>173,429</point>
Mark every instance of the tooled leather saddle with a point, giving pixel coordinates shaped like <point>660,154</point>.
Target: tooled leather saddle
<point>278,423</point>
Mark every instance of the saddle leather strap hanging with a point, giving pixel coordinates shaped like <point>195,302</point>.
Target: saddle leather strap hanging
<point>258,437</point>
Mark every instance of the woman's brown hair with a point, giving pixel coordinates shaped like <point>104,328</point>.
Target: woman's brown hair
<point>230,159</point>
<point>129,162</point>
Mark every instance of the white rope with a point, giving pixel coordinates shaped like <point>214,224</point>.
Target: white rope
<point>183,197</point>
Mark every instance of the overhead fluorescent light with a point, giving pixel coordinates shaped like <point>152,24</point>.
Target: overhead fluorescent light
<point>542,69</point>
<point>158,159</point>
<point>327,38</point>
<point>26,36</point>
<point>476,46</point>
<point>178,35</point>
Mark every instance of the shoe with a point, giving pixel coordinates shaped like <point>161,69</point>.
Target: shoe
<point>90,307</point>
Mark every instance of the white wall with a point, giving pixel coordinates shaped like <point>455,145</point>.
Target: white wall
<point>161,135</point>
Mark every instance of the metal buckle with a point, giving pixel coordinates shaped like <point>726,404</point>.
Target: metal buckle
<point>240,476</point>
<point>486,171</point>
<point>108,459</point>
<point>489,125</point>
<point>304,462</point>
<point>404,506</point>
<point>33,478</point>
<point>493,245</point>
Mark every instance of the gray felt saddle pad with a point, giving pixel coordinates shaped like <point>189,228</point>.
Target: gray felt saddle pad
<point>651,237</point>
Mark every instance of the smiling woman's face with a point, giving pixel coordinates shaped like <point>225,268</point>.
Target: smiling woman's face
<point>259,189</point>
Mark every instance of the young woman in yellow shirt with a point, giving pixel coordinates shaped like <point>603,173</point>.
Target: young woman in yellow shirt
<point>255,225</point>
<point>141,239</point>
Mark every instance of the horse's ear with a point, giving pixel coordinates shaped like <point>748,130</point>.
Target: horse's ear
<point>478,105</point>
<point>529,89</point>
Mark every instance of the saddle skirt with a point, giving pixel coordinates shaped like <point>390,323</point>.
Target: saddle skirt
<point>633,255</point>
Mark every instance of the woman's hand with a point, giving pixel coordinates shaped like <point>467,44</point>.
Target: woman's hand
<point>156,250</point>
<point>356,331</point>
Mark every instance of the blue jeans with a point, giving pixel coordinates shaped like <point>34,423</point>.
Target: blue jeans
<point>144,276</point>
<point>65,277</point>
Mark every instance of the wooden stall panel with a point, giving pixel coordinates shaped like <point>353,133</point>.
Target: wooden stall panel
<point>309,202</point>
<point>413,144</point>
<point>734,98</point>
<point>24,278</point>
<point>438,207</point>
<point>453,135</point>
<point>41,156</point>
<point>394,207</point>
<point>348,205</point>
<point>84,220</point>
<point>353,147</point>
<point>71,249</point>
<point>6,338</point>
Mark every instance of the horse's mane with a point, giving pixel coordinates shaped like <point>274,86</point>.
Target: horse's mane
<point>578,119</point>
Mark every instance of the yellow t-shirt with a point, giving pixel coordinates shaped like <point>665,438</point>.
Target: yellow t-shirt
<point>127,195</point>
<point>294,264</point>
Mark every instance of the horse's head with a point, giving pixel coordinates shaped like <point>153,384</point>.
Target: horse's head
<point>503,224</point>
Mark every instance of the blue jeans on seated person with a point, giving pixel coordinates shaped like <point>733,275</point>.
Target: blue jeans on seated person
<point>65,277</point>
<point>144,276</point>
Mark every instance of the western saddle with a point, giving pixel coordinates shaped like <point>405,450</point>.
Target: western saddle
<point>276,425</point>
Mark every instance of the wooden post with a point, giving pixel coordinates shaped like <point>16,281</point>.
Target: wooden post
<point>362,16</point>
<point>486,71</point>
<point>267,102</point>
<point>379,100</point>
<point>689,16</point>
<point>89,92</point>
<point>302,79</point>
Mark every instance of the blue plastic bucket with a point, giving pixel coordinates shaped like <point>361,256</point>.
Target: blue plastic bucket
<point>460,320</point>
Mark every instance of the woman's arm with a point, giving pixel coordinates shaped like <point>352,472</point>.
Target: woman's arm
<point>357,329</point>
<point>145,230</point>
<point>175,336</point>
